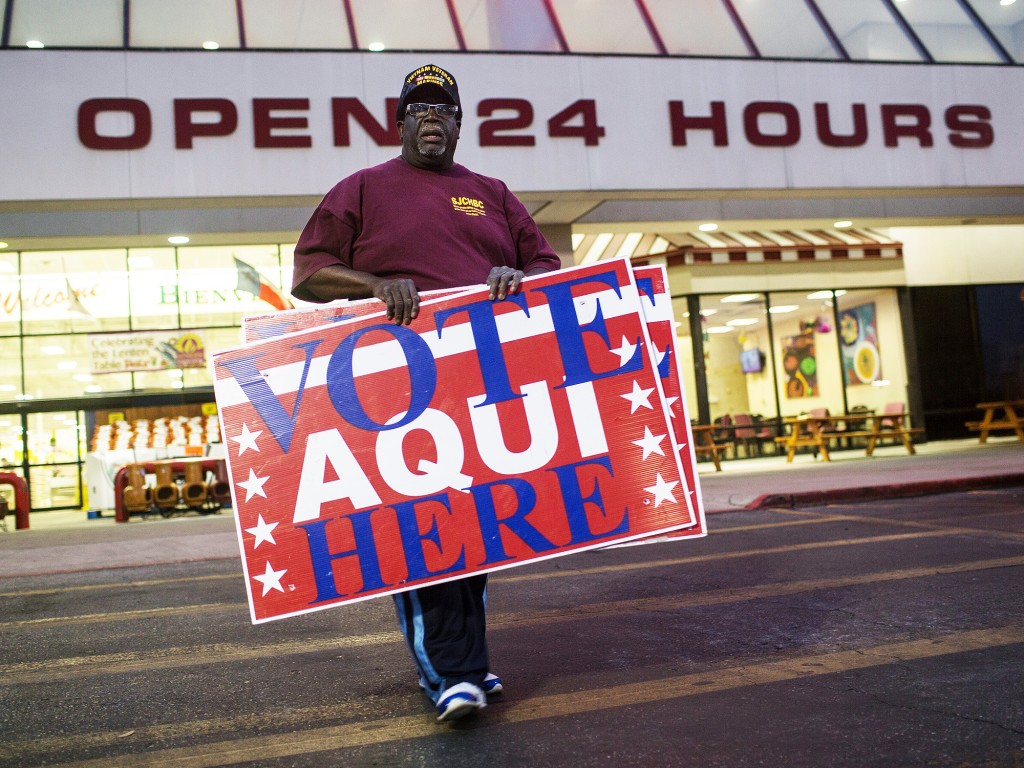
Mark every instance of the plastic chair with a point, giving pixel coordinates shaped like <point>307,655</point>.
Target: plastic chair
<point>138,497</point>
<point>218,492</point>
<point>167,494</point>
<point>193,492</point>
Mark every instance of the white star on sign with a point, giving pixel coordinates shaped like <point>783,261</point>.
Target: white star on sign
<point>638,398</point>
<point>669,402</point>
<point>247,439</point>
<point>254,485</point>
<point>625,351</point>
<point>650,443</point>
<point>662,491</point>
<point>263,531</point>
<point>271,579</point>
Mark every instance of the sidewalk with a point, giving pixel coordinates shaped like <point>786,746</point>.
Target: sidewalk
<point>66,541</point>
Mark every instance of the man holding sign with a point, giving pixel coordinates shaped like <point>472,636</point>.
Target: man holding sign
<point>422,222</point>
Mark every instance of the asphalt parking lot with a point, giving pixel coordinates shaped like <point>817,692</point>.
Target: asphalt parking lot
<point>888,633</point>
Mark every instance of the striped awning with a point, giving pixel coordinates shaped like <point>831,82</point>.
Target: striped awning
<point>752,246</point>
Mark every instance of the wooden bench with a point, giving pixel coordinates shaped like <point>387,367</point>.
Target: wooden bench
<point>812,432</point>
<point>1009,418</point>
<point>715,451</point>
<point>704,444</point>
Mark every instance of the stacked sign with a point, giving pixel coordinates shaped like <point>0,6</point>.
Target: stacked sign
<point>368,458</point>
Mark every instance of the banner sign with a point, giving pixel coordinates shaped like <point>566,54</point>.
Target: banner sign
<point>660,320</point>
<point>368,458</point>
<point>146,351</point>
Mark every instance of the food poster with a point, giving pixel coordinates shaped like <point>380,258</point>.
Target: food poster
<point>858,337</point>
<point>800,366</point>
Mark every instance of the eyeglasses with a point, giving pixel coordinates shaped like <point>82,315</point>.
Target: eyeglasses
<point>419,109</point>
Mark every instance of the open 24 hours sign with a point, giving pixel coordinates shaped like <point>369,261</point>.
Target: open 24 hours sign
<point>368,458</point>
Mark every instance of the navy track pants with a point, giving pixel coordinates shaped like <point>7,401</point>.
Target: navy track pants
<point>445,626</point>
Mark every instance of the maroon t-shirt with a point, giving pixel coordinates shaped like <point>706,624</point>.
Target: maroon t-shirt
<point>442,229</point>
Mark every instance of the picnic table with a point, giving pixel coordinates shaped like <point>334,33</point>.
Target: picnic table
<point>998,415</point>
<point>705,444</point>
<point>818,431</point>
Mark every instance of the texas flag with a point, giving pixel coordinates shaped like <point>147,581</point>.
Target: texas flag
<point>251,281</point>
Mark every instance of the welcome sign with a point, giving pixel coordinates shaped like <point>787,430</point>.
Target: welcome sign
<point>368,458</point>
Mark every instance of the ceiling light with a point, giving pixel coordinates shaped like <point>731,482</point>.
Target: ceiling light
<point>706,312</point>
<point>51,349</point>
<point>34,44</point>
<point>376,47</point>
<point>739,298</point>
<point>719,329</point>
<point>177,239</point>
<point>781,309</point>
<point>211,45</point>
<point>82,377</point>
<point>1007,2</point>
<point>709,227</point>
<point>7,387</point>
<point>2,245</point>
<point>843,224</point>
<point>67,365</point>
<point>93,388</point>
<point>742,321</point>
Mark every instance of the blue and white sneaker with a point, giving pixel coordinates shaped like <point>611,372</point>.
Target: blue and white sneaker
<point>458,701</point>
<point>492,685</point>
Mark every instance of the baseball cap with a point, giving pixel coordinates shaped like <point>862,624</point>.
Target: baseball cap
<point>430,84</point>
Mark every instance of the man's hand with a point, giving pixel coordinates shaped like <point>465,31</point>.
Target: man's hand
<point>502,281</point>
<point>401,298</point>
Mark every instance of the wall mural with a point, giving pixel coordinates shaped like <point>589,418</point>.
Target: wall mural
<point>800,365</point>
<point>858,336</point>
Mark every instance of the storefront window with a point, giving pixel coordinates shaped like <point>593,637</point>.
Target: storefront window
<point>54,444</point>
<point>310,24</point>
<point>392,26</point>
<point>684,347</point>
<point>152,286</point>
<point>737,356</point>
<point>10,446</point>
<point>211,291</point>
<point>810,380</point>
<point>183,23</point>
<point>697,28</point>
<point>868,30</point>
<point>947,32</point>
<point>503,25</point>
<point>1006,23</point>
<point>871,349</point>
<point>10,369</point>
<point>10,295</point>
<point>57,366</point>
<point>97,23</point>
<point>785,28</point>
<point>74,291</point>
<point>603,26</point>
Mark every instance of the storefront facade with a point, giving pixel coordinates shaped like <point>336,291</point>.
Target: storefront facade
<point>886,122</point>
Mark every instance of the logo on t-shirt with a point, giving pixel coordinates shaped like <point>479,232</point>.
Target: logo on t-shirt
<point>469,206</point>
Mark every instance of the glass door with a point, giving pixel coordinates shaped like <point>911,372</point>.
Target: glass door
<point>54,451</point>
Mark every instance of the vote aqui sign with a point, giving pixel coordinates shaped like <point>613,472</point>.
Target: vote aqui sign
<point>368,458</point>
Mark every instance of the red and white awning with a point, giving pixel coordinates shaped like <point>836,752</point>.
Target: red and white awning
<point>752,246</point>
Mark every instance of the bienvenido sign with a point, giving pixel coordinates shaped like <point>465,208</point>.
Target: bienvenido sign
<point>368,458</point>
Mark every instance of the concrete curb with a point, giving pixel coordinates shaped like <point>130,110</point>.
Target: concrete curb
<point>887,491</point>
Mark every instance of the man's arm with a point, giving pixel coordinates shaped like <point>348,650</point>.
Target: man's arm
<point>339,282</point>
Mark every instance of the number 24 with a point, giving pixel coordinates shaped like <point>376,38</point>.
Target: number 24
<point>496,132</point>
